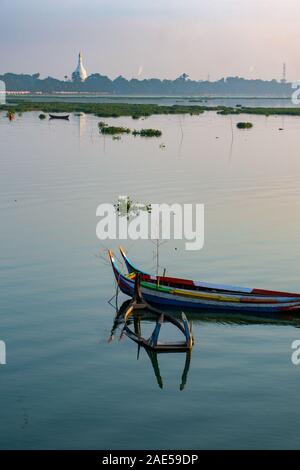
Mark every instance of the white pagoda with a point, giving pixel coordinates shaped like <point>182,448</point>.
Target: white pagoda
<point>80,74</point>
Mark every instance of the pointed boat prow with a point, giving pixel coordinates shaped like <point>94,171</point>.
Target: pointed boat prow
<point>115,268</point>
<point>131,268</point>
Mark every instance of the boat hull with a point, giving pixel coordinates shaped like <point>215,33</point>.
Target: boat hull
<point>200,286</point>
<point>186,299</point>
<point>177,301</point>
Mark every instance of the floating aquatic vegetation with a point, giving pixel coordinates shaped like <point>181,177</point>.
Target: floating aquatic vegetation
<point>150,133</point>
<point>147,133</point>
<point>126,207</point>
<point>103,110</point>
<point>244,125</point>
<point>114,130</point>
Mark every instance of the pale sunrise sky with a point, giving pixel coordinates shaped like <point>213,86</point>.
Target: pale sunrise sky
<point>142,39</point>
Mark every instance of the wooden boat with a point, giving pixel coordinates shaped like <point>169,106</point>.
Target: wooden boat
<point>188,294</point>
<point>58,116</point>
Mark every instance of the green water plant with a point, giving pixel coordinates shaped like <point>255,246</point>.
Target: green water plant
<point>126,207</point>
<point>142,110</point>
<point>148,132</point>
<point>114,130</point>
<point>244,125</point>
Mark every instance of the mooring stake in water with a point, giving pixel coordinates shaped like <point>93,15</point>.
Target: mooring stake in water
<point>2,353</point>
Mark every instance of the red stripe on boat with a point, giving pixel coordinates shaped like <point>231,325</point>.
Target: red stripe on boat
<point>170,280</point>
<point>274,292</point>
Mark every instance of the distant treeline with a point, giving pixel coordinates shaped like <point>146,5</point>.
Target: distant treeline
<point>232,86</point>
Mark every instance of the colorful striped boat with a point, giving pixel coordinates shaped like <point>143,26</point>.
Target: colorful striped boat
<point>184,293</point>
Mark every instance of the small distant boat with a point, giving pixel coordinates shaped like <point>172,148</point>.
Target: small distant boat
<point>59,116</point>
<point>185,293</point>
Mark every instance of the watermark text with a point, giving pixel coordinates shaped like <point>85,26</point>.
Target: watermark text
<point>153,221</point>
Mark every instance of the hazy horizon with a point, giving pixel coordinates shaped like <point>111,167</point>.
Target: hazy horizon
<point>146,39</point>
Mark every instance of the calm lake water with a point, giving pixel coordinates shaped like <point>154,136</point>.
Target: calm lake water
<point>64,386</point>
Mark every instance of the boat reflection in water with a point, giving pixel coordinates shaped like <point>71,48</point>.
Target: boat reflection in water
<point>145,319</point>
<point>132,328</point>
<point>137,311</point>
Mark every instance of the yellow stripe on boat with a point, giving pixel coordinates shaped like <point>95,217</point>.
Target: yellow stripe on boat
<point>212,296</point>
<point>198,295</point>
